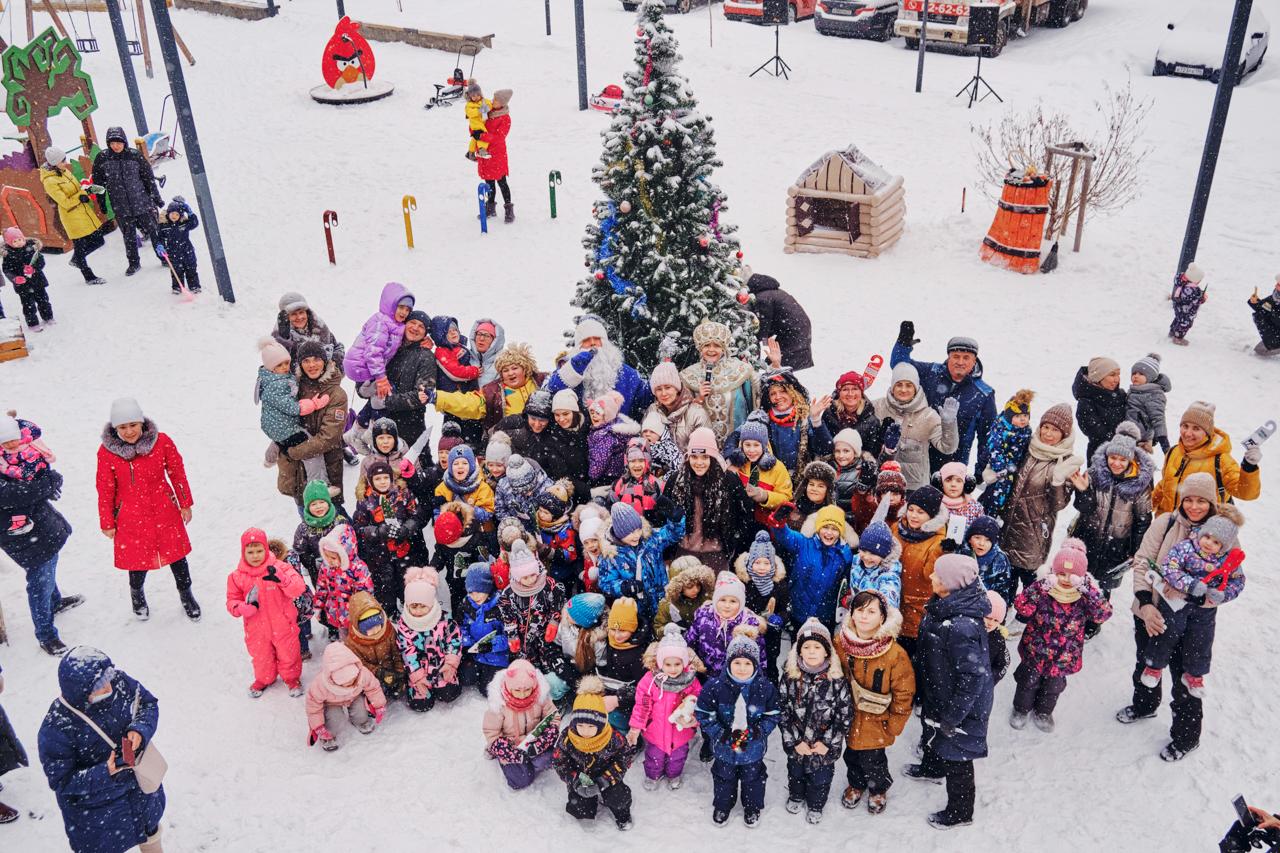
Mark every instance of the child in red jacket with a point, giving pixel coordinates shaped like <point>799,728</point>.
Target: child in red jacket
<point>261,591</point>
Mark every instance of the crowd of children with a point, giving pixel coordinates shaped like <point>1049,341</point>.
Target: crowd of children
<point>555,560</point>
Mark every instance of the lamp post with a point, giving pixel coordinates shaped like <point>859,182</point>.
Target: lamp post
<point>924,28</point>
<point>1213,139</point>
<point>579,23</point>
<point>195,159</point>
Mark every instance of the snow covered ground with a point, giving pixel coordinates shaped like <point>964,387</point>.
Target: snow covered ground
<point>241,776</point>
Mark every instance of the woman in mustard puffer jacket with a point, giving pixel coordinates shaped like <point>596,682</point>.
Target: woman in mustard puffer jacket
<point>75,210</point>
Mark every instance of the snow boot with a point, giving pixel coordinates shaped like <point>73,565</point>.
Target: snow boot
<point>189,604</point>
<point>1182,342</point>
<point>140,608</point>
<point>491,208</point>
<point>916,771</point>
<point>852,796</point>
<point>349,455</point>
<point>877,803</point>
<point>8,814</point>
<point>623,822</point>
<point>794,806</point>
<point>1151,677</point>
<point>1017,720</point>
<point>295,690</point>
<point>1128,714</point>
<point>1194,685</point>
<point>1261,349</point>
<point>509,212</point>
<point>719,818</point>
<point>650,784</point>
<point>97,279</point>
<point>1173,752</point>
<point>255,691</point>
<point>133,268</point>
<point>470,155</point>
<point>152,844</point>
<point>813,816</point>
<point>67,602</point>
<point>675,783</point>
<point>1044,722</point>
<point>482,153</point>
<point>751,817</point>
<point>941,820</point>
<point>54,648</point>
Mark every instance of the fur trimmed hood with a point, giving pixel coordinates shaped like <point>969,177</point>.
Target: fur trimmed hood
<point>609,546</point>
<point>849,537</point>
<point>465,511</point>
<point>497,703</point>
<point>144,445</point>
<point>740,568</point>
<point>680,578</point>
<point>651,659</point>
<point>1130,487</point>
<point>891,627</point>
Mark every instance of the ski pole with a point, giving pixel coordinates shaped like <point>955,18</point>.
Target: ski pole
<point>482,192</point>
<point>330,223</point>
<point>407,204</point>
<point>553,178</point>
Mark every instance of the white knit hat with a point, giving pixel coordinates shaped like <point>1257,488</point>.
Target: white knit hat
<point>565,400</point>
<point>849,436</point>
<point>1194,274</point>
<point>272,352</point>
<point>9,429</point>
<point>589,327</point>
<point>727,583</point>
<point>126,410</point>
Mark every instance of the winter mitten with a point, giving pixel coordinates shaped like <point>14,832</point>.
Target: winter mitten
<point>990,475</point>
<point>580,361</point>
<point>161,253</point>
<point>97,189</point>
<point>892,433</point>
<point>1215,595</point>
<point>513,645</point>
<point>382,387</point>
<point>632,589</point>
<point>19,279</point>
<point>84,198</point>
<point>306,406</point>
<point>27,269</point>
<point>1253,455</point>
<point>393,528</point>
<point>557,685</point>
<point>450,668</point>
<point>1064,469</point>
<point>245,609</point>
<point>950,409</point>
<point>549,636</point>
<point>322,400</point>
<point>406,469</point>
<point>378,714</point>
<point>907,334</point>
<point>320,734</point>
<point>1198,589</point>
<point>418,682</point>
<point>252,597</point>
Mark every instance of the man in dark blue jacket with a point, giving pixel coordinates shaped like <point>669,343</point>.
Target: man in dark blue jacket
<point>36,549</point>
<point>131,187</point>
<point>960,376</point>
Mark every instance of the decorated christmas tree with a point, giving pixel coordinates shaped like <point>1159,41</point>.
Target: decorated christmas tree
<point>661,259</point>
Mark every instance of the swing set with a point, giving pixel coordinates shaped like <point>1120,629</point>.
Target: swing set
<point>137,46</point>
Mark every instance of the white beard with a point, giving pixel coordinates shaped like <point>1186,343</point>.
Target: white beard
<point>602,373</point>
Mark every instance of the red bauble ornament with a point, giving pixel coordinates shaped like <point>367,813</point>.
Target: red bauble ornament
<point>744,297</point>
<point>704,241</point>
<point>599,275</point>
<point>640,31</point>
<point>738,254</point>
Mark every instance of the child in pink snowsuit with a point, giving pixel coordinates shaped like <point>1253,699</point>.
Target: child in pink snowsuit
<point>23,456</point>
<point>366,361</point>
<point>663,713</point>
<point>345,688</point>
<point>261,591</point>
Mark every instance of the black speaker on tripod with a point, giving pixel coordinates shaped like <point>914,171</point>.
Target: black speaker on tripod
<point>775,13</point>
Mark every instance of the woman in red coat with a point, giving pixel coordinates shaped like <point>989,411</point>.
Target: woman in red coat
<point>144,503</point>
<point>494,169</point>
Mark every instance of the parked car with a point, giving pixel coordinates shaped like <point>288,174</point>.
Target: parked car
<point>679,6</point>
<point>752,11</point>
<point>1195,45</point>
<point>870,19</point>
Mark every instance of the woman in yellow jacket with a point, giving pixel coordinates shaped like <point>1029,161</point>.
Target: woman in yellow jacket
<point>1202,447</point>
<point>75,211</point>
<point>765,479</point>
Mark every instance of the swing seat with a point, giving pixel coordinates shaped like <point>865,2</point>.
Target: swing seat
<point>87,45</point>
<point>159,146</point>
<point>135,48</point>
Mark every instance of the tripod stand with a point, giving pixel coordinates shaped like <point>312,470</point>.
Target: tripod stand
<point>780,66</point>
<point>977,83</point>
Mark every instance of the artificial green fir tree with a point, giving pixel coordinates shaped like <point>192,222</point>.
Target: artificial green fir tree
<point>661,259</point>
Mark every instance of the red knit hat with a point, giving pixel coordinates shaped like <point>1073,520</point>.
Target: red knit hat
<point>448,528</point>
<point>854,378</point>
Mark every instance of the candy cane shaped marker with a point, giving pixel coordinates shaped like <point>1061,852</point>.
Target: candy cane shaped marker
<point>482,192</point>
<point>553,178</point>
<point>330,223</point>
<point>407,204</point>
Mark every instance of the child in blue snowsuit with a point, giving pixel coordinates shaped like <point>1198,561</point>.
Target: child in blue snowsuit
<point>993,563</point>
<point>1007,444</point>
<point>481,630</point>
<point>173,244</point>
<point>631,562</point>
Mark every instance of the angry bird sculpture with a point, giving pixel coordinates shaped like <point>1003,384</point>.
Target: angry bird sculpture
<point>348,58</point>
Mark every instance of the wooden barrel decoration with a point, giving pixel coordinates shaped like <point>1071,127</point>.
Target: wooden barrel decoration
<point>1015,236</point>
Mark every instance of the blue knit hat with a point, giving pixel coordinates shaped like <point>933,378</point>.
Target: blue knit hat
<point>461,451</point>
<point>480,578</point>
<point>624,520</point>
<point>753,431</point>
<point>586,609</point>
<point>762,547</point>
<point>876,539</point>
<point>984,525</point>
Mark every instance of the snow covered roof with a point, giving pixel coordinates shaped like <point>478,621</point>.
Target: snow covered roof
<point>867,170</point>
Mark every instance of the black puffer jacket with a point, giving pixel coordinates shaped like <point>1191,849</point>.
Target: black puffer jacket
<point>411,368</point>
<point>1098,411</point>
<point>49,529</point>
<point>130,183</point>
<point>782,317</point>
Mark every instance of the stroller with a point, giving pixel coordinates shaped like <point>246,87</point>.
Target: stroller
<point>451,90</point>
